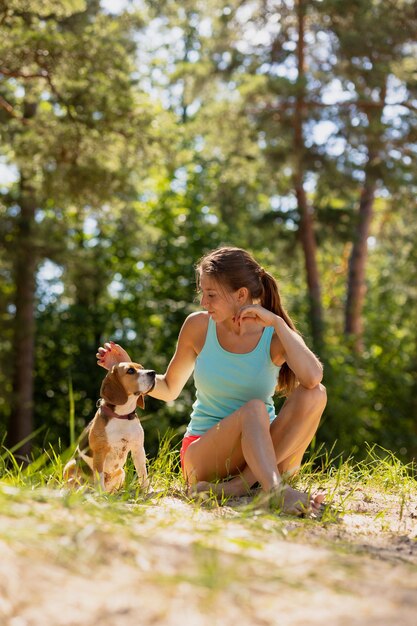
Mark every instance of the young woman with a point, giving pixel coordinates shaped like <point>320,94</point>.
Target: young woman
<point>241,348</point>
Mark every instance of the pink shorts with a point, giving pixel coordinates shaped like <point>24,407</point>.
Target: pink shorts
<point>185,443</point>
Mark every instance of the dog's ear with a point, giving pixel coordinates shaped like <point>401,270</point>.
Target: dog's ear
<point>112,390</point>
<point>141,402</point>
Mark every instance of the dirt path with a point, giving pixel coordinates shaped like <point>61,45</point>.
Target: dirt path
<point>173,564</point>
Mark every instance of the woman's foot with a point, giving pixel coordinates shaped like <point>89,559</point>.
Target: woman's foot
<point>285,498</point>
<point>294,502</point>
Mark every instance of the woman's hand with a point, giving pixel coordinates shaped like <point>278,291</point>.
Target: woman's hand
<point>111,354</point>
<point>256,313</point>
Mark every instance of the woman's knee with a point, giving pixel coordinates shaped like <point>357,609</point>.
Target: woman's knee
<point>321,394</point>
<point>316,396</point>
<point>256,409</point>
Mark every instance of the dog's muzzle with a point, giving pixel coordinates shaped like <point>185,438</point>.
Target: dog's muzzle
<point>151,374</point>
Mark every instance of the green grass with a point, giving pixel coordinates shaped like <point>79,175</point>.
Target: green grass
<point>380,472</point>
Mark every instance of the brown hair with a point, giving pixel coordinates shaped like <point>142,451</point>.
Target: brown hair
<point>236,268</point>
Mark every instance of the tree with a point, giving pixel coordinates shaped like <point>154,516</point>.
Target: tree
<point>306,228</point>
<point>225,78</point>
<point>73,125</point>
<point>373,66</point>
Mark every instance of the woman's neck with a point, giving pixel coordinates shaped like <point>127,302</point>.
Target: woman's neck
<point>230,325</point>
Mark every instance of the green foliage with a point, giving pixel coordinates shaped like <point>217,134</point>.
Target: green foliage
<point>143,152</point>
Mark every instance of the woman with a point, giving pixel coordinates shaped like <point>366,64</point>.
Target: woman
<point>238,347</point>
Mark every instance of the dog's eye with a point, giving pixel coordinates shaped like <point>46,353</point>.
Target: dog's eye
<point>131,370</point>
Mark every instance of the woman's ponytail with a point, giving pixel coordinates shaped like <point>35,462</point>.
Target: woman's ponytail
<point>271,300</point>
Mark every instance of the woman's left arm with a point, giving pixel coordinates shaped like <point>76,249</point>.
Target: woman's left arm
<point>292,348</point>
<point>302,361</point>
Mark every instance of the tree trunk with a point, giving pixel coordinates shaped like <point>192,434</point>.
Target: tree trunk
<point>356,287</point>
<point>21,418</point>
<point>356,290</point>
<point>306,230</point>
<point>21,422</point>
<point>308,242</point>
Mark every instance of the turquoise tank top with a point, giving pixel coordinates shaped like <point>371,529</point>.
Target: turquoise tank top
<point>225,381</point>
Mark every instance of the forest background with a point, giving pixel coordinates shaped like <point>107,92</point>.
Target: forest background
<point>137,136</point>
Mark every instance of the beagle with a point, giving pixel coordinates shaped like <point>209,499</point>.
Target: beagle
<point>114,431</point>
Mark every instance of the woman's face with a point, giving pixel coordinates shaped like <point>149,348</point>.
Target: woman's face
<point>220,303</point>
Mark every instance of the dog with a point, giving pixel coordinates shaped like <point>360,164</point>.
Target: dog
<point>114,431</point>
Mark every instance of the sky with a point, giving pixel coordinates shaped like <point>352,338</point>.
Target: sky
<point>115,6</point>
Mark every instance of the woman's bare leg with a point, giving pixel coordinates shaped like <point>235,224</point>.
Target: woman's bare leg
<point>242,439</point>
<point>303,409</point>
<point>291,434</point>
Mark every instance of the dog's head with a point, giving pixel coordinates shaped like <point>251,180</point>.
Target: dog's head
<point>126,379</point>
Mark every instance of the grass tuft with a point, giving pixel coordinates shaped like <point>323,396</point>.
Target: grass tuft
<point>341,480</point>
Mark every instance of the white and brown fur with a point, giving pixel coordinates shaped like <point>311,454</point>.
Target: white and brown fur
<point>106,441</point>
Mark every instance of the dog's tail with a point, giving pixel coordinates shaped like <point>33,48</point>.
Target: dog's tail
<point>83,444</point>
<point>70,473</point>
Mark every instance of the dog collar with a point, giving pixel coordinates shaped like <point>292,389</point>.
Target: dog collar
<point>108,412</point>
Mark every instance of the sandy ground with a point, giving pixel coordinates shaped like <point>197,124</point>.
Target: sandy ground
<point>172,563</point>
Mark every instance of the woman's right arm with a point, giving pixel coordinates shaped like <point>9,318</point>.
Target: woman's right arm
<point>168,386</point>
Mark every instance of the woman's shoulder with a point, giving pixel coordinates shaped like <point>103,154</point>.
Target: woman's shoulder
<point>194,329</point>
<point>195,325</point>
<point>199,319</point>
